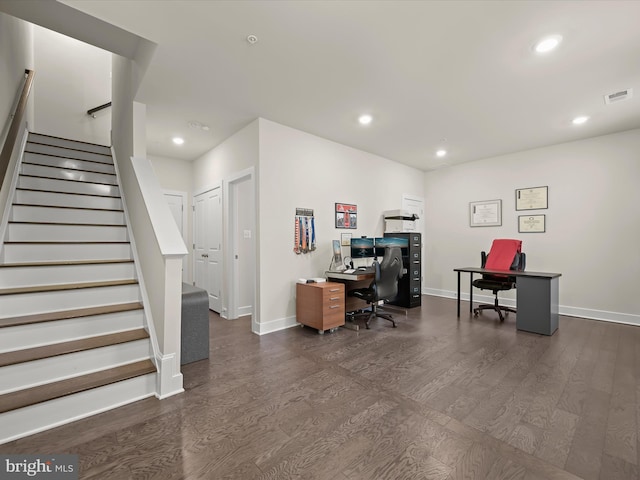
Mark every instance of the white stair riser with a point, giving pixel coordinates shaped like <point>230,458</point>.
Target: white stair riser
<point>43,416</point>
<point>47,370</point>
<point>31,197</point>
<point>66,152</point>
<point>28,336</point>
<point>17,305</point>
<point>67,163</point>
<point>28,213</point>
<point>53,185</point>
<point>59,274</point>
<point>25,232</point>
<point>21,252</point>
<point>62,142</point>
<point>59,173</point>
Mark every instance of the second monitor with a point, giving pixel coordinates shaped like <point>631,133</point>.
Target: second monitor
<point>369,247</point>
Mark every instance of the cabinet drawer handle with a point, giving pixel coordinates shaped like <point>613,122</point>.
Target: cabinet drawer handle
<point>334,298</point>
<point>334,289</point>
<point>334,306</point>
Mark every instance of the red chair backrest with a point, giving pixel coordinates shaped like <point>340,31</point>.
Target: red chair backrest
<point>502,253</point>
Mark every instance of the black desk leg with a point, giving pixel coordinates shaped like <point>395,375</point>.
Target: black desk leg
<point>458,294</point>
<point>470,292</point>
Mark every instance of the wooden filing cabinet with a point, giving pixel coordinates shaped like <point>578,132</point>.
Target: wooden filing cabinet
<point>320,305</point>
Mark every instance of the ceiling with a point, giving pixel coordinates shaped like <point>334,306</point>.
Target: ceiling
<point>458,75</point>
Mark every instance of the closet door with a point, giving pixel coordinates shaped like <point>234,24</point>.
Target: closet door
<point>207,247</point>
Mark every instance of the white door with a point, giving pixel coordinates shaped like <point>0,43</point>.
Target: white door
<point>414,204</point>
<point>176,205</point>
<point>207,247</point>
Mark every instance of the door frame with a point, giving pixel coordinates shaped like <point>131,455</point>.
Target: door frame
<point>230,184</point>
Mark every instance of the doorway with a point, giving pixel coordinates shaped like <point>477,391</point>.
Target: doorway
<point>241,255</point>
<point>207,244</point>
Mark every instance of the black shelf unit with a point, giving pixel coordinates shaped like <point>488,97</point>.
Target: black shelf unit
<point>410,285</point>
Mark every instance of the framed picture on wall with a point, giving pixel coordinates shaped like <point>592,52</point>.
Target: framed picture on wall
<point>534,198</point>
<point>346,215</point>
<point>531,224</point>
<point>487,213</point>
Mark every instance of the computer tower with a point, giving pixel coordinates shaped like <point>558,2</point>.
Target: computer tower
<point>410,285</point>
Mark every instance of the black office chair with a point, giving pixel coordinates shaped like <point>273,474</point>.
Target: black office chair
<point>498,283</point>
<point>384,286</point>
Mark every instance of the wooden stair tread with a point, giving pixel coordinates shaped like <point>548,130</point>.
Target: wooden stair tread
<point>62,242</point>
<point>69,180</point>
<point>68,314</point>
<point>43,393</point>
<point>66,193</point>
<point>65,286</point>
<point>65,263</point>
<point>64,147</point>
<point>71,169</point>
<point>40,205</point>
<point>119,225</point>
<point>65,139</point>
<point>64,348</point>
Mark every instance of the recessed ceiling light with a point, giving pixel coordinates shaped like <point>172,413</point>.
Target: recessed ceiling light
<point>441,153</point>
<point>198,126</point>
<point>580,120</point>
<point>178,140</point>
<point>365,119</point>
<point>548,43</point>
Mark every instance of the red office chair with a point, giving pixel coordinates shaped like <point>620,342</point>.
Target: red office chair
<point>505,254</point>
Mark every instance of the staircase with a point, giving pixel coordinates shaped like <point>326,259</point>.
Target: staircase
<point>72,336</point>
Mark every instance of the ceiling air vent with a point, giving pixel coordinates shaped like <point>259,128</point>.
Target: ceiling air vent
<point>618,96</point>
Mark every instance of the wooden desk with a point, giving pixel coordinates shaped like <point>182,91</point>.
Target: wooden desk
<point>352,281</point>
<point>536,298</point>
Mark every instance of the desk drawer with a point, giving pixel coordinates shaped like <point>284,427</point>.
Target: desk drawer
<point>320,305</point>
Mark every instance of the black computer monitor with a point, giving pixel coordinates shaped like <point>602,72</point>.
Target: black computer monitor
<point>382,242</point>
<point>362,248</point>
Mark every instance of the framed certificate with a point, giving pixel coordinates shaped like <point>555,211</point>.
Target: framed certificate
<point>487,213</point>
<point>531,223</point>
<point>534,198</point>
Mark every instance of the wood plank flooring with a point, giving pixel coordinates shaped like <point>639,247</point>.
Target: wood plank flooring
<point>436,398</point>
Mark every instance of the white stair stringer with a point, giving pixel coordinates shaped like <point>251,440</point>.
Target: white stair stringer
<point>74,340</point>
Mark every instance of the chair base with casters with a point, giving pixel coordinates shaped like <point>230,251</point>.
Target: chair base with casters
<point>372,313</point>
<point>496,307</point>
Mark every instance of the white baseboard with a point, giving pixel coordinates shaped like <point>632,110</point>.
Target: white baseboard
<point>589,313</point>
<point>276,325</point>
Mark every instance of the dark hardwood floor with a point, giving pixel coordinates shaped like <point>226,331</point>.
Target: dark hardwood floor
<point>435,398</point>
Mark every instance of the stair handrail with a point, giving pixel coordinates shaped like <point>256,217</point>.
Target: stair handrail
<point>92,112</point>
<point>16,121</point>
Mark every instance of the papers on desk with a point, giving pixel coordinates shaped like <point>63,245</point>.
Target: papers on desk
<point>349,270</point>
<point>312,280</point>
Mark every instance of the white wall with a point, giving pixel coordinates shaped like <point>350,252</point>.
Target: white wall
<point>236,154</point>
<point>176,175</point>
<point>301,170</point>
<point>16,55</point>
<point>592,223</point>
<point>72,77</point>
